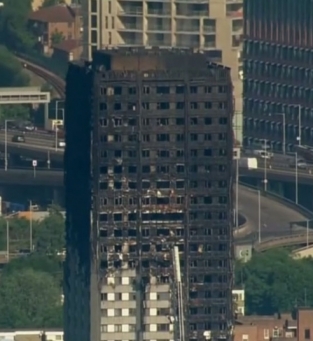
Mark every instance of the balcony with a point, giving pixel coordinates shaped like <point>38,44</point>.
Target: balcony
<point>159,28</point>
<point>130,11</point>
<point>234,10</point>
<point>192,10</point>
<point>159,12</point>
<point>130,24</point>
<point>187,26</point>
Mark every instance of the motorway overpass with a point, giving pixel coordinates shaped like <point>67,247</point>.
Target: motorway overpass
<point>40,146</point>
<point>276,218</point>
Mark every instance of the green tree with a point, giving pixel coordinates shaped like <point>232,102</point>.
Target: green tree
<point>19,234</point>
<point>11,70</point>
<point>14,112</point>
<point>49,3</point>
<point>37,262</point>
<point>29,299</point>
<point>50,234</point>
<point>275,282</point>
<point>57,37</point>
<point>13,25</point>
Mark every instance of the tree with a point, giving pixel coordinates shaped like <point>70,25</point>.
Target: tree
<point>50,234</point>
<point>57,37</point>
<point>37,262</point>
<point>49,3</point>
<point>14,112</point>
<point>13,25</point>
<point>19,234</point>
<point>29,299</point>
<point>275,282</point>
<point>11,70</point>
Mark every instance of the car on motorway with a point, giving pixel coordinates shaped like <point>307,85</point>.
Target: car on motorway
<point>59,144</point>
<point>301,164</point>
<point>18,139</point>
<point>29,127</point>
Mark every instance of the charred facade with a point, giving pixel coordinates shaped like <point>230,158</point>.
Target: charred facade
<point>149,153</point>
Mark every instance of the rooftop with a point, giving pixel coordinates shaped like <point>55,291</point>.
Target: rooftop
<point>67,45</point>
<point>56,14</point>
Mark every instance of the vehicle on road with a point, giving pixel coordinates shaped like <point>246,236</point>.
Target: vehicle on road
<point>301,164</point>
<point>59,144</point>
<point>248,162</point>
<point>263,154</point>
<point>18,139</point>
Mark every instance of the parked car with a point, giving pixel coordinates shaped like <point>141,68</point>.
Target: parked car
<point>18,139</point>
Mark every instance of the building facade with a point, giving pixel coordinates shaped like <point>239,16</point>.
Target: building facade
<point>213,26</point>
<point>149,152</point>
<point>278,73</point>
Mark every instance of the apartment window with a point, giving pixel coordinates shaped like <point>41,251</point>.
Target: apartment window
<point>106,22</point>
<point>307,334</point>
<point>113,23</point>
<point>110,7</point>
<point>94,21</point>
<point>245,337</point>
<point>94,37</point>
<point>266,334</point>
<point>94,6</point>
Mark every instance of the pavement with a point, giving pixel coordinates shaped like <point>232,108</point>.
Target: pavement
<point>275,217</point>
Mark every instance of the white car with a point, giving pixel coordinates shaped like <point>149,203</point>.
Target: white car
<point>60,144</point>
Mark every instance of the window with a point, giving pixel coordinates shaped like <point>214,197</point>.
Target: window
<point>245,337</point>
<point>208,105</point>
<point>307,334</point>
<point>266,333</point>
<point>208,121</point>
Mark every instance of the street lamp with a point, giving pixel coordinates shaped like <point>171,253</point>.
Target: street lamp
<point>284,131</point>
<point>6,144</point>
<point>259,215</point>
<point>265,165</point>
<point>296,177</point>
<point>237,192</point>
<point>299,124</point>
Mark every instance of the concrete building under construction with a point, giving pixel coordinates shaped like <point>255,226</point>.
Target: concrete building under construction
<point>149,153</point>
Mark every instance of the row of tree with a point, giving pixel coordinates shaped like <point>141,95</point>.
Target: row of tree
<point>31,286</point>
<point>274,282</point>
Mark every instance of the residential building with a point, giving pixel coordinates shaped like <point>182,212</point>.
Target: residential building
<point>278,73</point>
<point>67,50</point>
<point>55,24</point>
<point>36,4</point>
<point>213,26</point>
<point>297,326</point>
<point>149,151</point>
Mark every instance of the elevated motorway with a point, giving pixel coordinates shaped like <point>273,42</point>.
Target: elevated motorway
<point>294,239</point>
<point>276,218</point>
<point>41,146</point>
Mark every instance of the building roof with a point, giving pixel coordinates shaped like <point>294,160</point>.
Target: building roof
<point>55,14</point>
<point>67,45</point>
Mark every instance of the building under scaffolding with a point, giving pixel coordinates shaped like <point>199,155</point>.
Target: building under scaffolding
<point>149,152</point>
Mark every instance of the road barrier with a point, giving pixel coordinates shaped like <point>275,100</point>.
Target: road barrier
<point>289,203</point>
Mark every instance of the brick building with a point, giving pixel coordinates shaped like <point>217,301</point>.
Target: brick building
<point>55,24</point>
<point>284,327</point>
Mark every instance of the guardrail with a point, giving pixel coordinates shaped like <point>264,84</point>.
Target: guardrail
<point>284,241</point>
<point>289,203</point>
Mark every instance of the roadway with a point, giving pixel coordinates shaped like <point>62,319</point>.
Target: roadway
<point>40,145</point>
<point>276,218</point>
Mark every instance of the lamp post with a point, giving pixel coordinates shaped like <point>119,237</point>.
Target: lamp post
<point>8,239</point>
<point>259,215</point>
<point>265,165</point>
<point>284,131</point>
<point>30,226</point>
<point>6,144</point>
<point>299,125</point>
<point>296,178</point>
<point>307,232</point>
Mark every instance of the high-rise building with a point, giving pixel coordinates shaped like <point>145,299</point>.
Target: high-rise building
<point>213,26</point>
<point>149,154</point>
<point>278,73</point>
